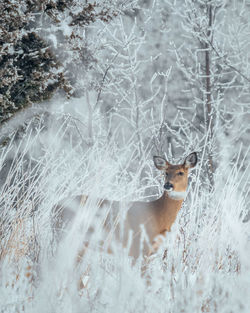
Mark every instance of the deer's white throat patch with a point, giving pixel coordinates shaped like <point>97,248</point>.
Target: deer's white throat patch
<point>177,195</point>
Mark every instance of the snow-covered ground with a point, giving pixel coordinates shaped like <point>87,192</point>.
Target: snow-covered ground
<point>206,266</point>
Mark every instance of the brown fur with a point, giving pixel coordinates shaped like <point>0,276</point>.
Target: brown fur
<point>157,217</point>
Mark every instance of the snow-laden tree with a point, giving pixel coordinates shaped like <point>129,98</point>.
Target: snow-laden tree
<point>43,48</point>
<point>181,65</point>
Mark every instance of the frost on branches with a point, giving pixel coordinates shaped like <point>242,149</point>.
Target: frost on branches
<point>32,65</point>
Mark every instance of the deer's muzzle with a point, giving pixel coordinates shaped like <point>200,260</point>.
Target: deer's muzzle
<point>168,186</point>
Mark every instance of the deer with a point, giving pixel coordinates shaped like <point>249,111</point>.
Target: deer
<point>155,217</point>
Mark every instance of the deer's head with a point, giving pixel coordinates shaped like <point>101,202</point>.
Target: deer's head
<point>176,176</point>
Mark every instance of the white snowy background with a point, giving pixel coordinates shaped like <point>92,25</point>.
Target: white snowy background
<point>164,77</point>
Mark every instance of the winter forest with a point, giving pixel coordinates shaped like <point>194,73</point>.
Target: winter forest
<point>90,91</point>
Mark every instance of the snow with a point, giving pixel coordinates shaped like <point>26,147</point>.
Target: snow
<point>143,95</point>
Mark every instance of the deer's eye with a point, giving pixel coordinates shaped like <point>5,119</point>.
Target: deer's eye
<point>166,174</point>
<point>180,173</point>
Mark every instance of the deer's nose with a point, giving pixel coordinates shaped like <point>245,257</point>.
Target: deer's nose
<point>168,186</point>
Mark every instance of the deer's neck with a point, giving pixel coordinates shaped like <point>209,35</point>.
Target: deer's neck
<point>169,206</point>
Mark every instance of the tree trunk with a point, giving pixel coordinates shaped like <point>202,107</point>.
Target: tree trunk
<point>209,111</point>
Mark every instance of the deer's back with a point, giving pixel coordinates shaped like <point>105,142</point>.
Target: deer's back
<point>130,223</point>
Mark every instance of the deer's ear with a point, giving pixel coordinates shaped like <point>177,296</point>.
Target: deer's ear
<point>160,163</point>
<point>191,160</point>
